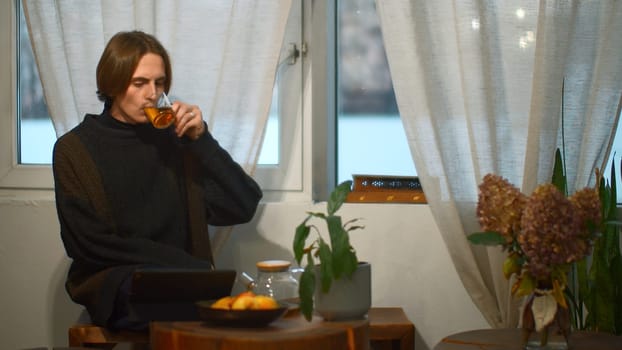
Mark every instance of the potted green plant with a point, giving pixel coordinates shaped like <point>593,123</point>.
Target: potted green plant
<point>596,296</point>
<point>344,288</point>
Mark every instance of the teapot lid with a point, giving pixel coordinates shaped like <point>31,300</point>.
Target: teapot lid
<point>273,265</point>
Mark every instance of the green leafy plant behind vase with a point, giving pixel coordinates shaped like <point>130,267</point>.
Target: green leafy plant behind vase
<point>596,298</point>
<point>337,258</point>
<point>595,282</point>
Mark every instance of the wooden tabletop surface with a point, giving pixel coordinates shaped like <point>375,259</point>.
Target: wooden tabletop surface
<point>510,339</point>
<point>290,332</point>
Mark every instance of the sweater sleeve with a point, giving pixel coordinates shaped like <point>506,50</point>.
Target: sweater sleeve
<point>231,195</point>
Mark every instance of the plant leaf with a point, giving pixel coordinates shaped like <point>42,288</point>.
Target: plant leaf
<point>614,194</point>
<point>576,313</point>
<point>524,285</point>
<point>326,265</point>
<point>544,308</point>
<point>338,196</point>
<point>350,263</point>
<point>317,215</point>
<point>344,259</point>
<point>306,289</point>
<point>558,294</point>
<point>604,193</point>
<point>582,280</point>
<point>511,266</point>
<point>600,311</point>
<point>302,232</point>
<point>616,276</point>
<point>486,238</point>
<point>338,235</point>
<point>559,177</point>
<point>349,225</point>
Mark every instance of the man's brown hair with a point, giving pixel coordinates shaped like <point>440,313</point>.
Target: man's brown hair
<point>120,59</point>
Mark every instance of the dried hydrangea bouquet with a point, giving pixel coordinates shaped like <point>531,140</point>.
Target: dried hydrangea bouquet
<point>543,234</point>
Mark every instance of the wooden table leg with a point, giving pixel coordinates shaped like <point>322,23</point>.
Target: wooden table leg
<point>389,328</point>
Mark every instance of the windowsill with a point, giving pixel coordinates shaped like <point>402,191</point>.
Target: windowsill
<point>362,193</point>
<point>25,195</point>
<point>386,197</point>
<point>386,189</point>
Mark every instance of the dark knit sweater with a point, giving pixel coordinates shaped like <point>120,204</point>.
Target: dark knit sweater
<point>123,201</point>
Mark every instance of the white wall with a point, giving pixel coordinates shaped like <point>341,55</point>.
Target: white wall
<point>410,267</point>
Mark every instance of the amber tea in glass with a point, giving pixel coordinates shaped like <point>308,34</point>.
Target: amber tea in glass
<point>161,116</point>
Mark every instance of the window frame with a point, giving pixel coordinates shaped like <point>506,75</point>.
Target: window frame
<point>323,92</point>
<point>287,175</point>
<point>13,174</point>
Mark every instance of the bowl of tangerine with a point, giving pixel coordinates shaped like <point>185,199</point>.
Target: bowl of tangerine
<point>246,309</point>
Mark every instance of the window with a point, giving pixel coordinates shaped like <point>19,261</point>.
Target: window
<point>36,132</point>
<point>345,124</point>
<point>365,139</point>
<point>37,136</point>
<point>280,162</point>
<point>28,125</point>
<point>370,138</point>
<point>13,173</point>
<point>369,127</point>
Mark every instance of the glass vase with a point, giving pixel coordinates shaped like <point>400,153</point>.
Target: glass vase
<point>546,324</point>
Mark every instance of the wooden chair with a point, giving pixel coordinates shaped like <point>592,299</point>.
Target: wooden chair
<point>91,336</point>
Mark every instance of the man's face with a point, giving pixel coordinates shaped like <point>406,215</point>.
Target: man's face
<point>146,85</point>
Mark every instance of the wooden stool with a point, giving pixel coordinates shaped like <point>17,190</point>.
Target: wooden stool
<point>91,336</point>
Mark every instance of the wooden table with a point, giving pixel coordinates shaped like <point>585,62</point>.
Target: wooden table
<point>293,332</point>
<point>386,328</point>
<point>390,329</point>
<point>510,339</point>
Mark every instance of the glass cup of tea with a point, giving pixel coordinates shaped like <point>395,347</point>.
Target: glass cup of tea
<point>161,116</point>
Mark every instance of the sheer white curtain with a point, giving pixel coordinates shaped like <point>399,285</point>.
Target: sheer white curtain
<point>224,56</point>
<point>479,86</point>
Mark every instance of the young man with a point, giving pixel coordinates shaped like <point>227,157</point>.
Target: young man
<point>130,195</point>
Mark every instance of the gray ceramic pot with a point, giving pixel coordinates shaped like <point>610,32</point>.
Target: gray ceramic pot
<point>347,298</point>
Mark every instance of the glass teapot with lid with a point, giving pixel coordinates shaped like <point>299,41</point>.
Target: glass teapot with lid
<point>274,278</point>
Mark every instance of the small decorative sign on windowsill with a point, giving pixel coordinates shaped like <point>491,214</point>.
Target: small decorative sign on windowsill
<point>386,189</point>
